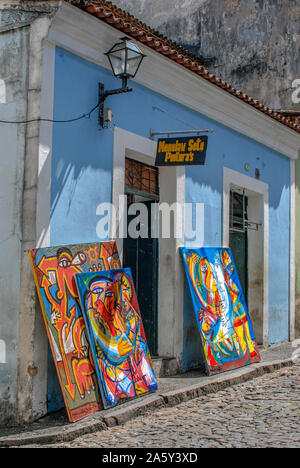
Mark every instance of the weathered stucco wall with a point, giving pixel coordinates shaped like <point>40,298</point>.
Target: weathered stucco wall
<point>253,44</point>
<point>22,29</point>
<point>13,106</point>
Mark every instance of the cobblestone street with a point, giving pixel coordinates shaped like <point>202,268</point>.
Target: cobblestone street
<point>264,412</point>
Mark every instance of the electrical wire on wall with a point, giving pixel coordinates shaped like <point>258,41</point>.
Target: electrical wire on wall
<point>40,119</point>
<point>173,116</point>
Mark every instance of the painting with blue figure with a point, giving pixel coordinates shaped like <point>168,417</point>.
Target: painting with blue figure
<point>224,323</point>
<point>116,335</point>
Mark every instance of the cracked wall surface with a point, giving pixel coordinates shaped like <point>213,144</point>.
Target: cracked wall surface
<point>13,72</point>
<point>253,44</point>
<point>20,59</point>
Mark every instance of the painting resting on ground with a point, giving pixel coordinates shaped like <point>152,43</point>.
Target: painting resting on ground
<point>116,334</point>
<point>225,327</point>
<point>54,269</point>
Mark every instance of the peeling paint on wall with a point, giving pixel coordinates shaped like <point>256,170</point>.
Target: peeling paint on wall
<point>2,352</point>
<point>2,92</point>
<point>254,45</point>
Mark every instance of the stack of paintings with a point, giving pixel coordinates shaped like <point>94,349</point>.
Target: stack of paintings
<point>94,326</point>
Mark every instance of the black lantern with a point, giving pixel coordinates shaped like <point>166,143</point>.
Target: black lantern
<point>125,59</point>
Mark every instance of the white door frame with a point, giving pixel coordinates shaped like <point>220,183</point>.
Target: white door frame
<point>256,187</point>
<point>171,276</point>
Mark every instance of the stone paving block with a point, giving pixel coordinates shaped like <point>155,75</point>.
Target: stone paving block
<point>120,415</point>
<point>171,391</point>
<point>53,435</point>
<point>222,381</point>
<point>223,419</point>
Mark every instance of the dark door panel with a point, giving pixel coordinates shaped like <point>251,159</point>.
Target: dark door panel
<point>141,255</point>
<point>239,237</point>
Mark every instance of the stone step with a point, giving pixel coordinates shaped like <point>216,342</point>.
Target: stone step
<point>165,366</point>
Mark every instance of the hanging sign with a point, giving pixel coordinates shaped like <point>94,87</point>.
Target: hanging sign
<point>186,151</point>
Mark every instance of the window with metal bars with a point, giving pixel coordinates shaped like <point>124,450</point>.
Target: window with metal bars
<point>239,221</point>
<point>141,179</point>
<point>238,212</point>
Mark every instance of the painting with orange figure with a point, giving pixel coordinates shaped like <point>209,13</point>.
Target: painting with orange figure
<point>54,269</point>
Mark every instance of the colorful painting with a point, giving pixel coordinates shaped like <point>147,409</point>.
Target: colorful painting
<point>54,269</point>
<point>116,334</point>
<point>225,327</point>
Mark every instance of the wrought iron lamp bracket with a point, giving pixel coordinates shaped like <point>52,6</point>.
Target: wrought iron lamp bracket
<point>102,95</point>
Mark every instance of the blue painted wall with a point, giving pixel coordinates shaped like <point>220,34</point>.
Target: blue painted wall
<point>82,154</point>
<point>82,171</point>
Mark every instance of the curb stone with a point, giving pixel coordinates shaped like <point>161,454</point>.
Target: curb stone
<point>113,417</point>
<point>223,381</point>
<point>116,417</point>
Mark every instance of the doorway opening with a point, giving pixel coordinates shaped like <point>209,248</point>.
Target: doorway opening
<point>141,253</point>
<point>246,240</point>
<point>238,240</point>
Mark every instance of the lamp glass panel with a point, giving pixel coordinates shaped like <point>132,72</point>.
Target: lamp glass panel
<point>133,64</point>
<point>134,58</point>
<point>125,59</point>
<point>118,61</point>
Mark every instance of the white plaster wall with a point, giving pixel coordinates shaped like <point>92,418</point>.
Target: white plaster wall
<point>22,334</point>
<point>256,264</point>
<point>32,387</point>
<point>171,272</point>
<point>13,59</point>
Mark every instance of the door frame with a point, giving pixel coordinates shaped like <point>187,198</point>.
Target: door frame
<point>258,195</point>
<point>246,244</point>
<point>171,274</point>
<point>154,351</point>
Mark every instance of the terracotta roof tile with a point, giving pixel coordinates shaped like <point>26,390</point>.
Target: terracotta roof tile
<point>291,116</point>
<point>130,25</point>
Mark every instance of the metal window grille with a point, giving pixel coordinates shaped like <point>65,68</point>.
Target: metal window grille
<point>141,179</point>
<point>239,221</point>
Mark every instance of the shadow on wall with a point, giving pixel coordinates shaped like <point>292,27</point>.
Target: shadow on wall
<point>78,148</point>
<point>80,178</point>
<point>81,161</point>
<point>193,354</point>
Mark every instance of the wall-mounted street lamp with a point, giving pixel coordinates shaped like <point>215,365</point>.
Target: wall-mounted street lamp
<point>125,59</point>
